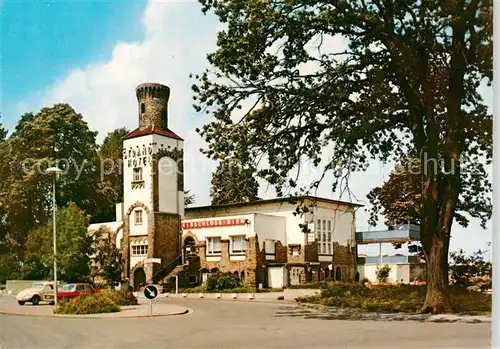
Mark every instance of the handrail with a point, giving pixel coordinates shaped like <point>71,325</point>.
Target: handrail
<point>168,265</point>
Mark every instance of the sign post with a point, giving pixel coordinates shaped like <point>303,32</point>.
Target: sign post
<point>150,292</point>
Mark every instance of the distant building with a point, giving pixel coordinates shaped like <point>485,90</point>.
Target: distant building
<point>404,267</point>
<point>260,242</point>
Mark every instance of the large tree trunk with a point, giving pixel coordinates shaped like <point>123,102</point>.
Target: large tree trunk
<point>437,299</point>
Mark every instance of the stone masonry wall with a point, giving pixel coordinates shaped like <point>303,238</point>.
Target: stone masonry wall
<point>250,265</point>
<point>166,240</point>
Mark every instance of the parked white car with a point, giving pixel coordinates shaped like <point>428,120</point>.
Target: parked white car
<point>38,292</point>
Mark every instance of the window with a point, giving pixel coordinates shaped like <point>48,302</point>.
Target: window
<point>143,108</point>
<point>138,217</point>
<point>324,235</point>
<point>213,245</point>
<point>139,250</point>
<point>138,174</point>
<point>238,244</point>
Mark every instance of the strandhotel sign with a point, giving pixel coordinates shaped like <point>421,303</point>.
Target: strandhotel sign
<point>214,223</point>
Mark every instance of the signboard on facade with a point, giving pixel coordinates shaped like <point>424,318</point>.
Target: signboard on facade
<point>214,223</point>
<point>151,260</point>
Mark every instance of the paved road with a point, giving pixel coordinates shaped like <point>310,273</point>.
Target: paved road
<point>228,324</point>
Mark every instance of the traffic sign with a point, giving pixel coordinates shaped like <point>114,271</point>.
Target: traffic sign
<point>150,292</point>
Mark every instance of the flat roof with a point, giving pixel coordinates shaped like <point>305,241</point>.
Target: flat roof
<point>270,201</point>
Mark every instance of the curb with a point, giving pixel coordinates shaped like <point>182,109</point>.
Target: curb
<point>331,313</point>
<point>272,301</point>
<point>99,316</point>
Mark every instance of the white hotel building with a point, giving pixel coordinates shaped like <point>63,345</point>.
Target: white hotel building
<point>260,242</point>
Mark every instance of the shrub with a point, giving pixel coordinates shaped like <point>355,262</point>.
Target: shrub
<point>87,304</point>
<point>383,273</point>
<point>121,297</point>
<point>220,281</point>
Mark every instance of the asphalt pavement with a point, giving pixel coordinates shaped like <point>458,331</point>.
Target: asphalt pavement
<point>236,324</point>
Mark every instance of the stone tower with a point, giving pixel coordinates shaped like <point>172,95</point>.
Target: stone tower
<point>153,186</point>
<point>153,105</point>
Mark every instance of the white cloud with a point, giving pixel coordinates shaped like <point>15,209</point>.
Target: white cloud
<point>177,37</point>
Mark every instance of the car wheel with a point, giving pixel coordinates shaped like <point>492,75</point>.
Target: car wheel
<point>35,300</point>
<point>21,302</point>
<point>52,303</point>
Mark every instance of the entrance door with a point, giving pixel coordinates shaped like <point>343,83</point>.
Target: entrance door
<point>295,275</point>
<point>139,278</point>
<point>275,277</point>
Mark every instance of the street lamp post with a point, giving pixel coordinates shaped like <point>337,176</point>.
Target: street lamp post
<point>54,171</point>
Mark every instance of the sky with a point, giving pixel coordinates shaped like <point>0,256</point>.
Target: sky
<point>92,54</point>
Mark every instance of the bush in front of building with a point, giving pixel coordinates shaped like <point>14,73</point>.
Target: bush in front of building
<point>395,298</point>
<point>221,281</point>
<point>122,297</point>
<point>383,273</point>
<point>87,304</point>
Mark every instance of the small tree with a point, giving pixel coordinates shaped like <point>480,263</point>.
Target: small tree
<point>107,258</point>
<point>383,273</point>
<point>74,247</point>
<point>233,183</point>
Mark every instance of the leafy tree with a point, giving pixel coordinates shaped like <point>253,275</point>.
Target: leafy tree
<point>233,183</point>
<point>54,136</point>
<point>407,80</point>
<point>3,132</point>
<point>188,197</point>
<point>107,259</point>
<point>470,271</point>
<point>399,199</point>
<point>10,268</point>
<point>74,247</point>
<point>110,187</point>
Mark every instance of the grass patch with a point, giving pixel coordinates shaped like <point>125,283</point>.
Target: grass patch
<point>395,298</point>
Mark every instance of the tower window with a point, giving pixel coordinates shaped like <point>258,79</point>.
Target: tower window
<point>138,217</point>
<point>143,108</point>
<point>138,174</point>
<point>139,250</point>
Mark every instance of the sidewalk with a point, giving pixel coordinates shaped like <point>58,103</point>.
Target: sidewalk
<point>9,306</point>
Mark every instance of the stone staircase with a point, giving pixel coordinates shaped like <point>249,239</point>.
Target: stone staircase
<point>174,272</point>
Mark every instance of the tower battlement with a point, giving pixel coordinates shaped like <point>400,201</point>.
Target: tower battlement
<point>153,105</point>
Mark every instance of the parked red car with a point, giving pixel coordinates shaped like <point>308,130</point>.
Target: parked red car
<point>76,289</point>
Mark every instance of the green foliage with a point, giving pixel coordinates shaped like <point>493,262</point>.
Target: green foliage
<point>395,298</point>
<point>221,281</point>
<point>188,198</point>
<point>470,271</point>
<point>399,199</point>
<point>110,187</point>
<point>121,297</point>
<point>88,304</point>
<point>107,258</point>
<point>3,132</point>
<point>406,79</point>
<point>383,273</point>
<point>54,136</point>
<point>233,183</point>
<point>74,246</point>
<point>10,268</point>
